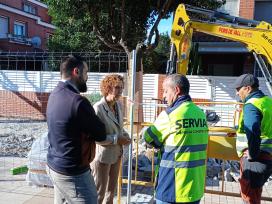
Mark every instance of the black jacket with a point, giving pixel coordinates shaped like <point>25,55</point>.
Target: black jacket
<point>73,128</point>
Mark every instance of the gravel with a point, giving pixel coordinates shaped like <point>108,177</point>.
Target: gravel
<point>17,136</point>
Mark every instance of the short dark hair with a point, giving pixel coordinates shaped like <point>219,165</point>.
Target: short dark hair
<point>181,81</point>
<point>69,62</point>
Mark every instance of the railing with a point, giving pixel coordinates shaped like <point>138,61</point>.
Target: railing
<point>19,39</point>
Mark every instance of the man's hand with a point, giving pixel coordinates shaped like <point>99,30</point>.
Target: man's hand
<point>231,134</point>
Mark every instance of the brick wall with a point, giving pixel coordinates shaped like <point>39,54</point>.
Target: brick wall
<point>23,104</point>
<point>32,27</point>
<point>160,89</point>
<point>247,9</point>
<point>18,4</point>
<point>13,4</point>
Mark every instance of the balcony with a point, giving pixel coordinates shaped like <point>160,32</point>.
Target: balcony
<point>19,39</point>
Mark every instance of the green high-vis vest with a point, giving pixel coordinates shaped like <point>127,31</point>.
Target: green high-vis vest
<point>264,105</point>
<point>182,136</point>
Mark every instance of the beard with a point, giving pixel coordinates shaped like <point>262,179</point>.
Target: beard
<point>81,85</point>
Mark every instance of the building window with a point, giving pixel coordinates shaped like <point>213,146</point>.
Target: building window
<point>29,9</point>
<point>3,27</point>
<point>19,29</point>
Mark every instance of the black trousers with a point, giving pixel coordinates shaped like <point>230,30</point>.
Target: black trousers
<point>254,174</point>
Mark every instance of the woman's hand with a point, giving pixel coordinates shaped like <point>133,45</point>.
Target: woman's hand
<point>123,140</point>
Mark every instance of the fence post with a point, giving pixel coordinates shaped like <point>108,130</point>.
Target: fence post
<point>132,98</point>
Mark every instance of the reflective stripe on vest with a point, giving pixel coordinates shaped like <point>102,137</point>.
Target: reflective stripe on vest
<point>262,104</point>
<point>183,164</point>
<point>187,148</point>
<point>266,141</point>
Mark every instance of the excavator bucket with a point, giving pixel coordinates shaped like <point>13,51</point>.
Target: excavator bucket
<point>221,147</point>
<point>222,143</point>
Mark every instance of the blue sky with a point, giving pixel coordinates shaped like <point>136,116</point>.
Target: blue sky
<point>165,25</point>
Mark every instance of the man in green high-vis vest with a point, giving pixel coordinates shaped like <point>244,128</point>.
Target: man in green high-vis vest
<point>254,138</point>
<point>181,134</point>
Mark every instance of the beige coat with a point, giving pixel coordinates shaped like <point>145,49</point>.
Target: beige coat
<point>109,153</point>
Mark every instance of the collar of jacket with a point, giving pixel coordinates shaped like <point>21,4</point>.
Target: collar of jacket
<point>177,103</point>
<point>255,94</point>
<point>69,86</point>
<point>109,112</point>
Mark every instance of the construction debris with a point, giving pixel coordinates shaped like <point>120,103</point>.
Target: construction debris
<point>37,161</point>
<point>16,137</point>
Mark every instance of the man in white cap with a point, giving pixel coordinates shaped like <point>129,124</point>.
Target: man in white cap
<point>254,138</point>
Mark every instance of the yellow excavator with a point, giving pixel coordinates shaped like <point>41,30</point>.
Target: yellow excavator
<point>255,35</point>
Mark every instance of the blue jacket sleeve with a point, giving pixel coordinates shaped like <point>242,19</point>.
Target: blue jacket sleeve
<point>252,125</point>
<point>89,121</point>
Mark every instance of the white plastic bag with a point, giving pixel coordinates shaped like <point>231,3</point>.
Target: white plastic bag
<point>37,160</point>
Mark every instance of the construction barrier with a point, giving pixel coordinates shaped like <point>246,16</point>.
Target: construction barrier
<point>222,119</point>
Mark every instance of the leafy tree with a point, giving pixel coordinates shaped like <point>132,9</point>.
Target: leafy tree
<point>155,61</point>
<point>70,38</point>
<point>164,44</point>
<point>119,24</point>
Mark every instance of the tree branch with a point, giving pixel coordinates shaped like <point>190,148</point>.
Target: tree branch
<point>122,41</point>
<point>94,12</point>
<point>161,14</point>
<point>104,40</point>
<point>124,46</point>
<point>156,42</point>
<point>123,21</point>
<point>112,20</point>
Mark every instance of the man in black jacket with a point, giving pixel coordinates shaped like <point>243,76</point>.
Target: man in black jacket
<point>73,129</point>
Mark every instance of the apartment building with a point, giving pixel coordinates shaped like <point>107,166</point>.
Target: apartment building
<point>24,25</point>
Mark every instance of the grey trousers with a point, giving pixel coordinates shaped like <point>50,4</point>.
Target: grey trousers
<point>79,189</point>
<point>105,177</point>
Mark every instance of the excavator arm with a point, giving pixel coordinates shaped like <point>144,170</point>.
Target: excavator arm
<point>255,35</point>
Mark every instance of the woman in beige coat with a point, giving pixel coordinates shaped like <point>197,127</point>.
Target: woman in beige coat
<point>105,166</point>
